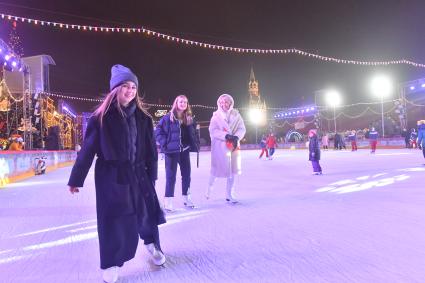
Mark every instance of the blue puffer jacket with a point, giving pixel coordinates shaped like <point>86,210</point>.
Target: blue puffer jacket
<point>313,149</point>
<point>373,135</point>
<point>168,135</point>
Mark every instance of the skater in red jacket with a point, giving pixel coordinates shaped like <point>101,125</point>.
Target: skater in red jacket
<point>271,144</point>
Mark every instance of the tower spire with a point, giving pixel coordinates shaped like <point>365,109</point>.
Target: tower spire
<point>252,76</point>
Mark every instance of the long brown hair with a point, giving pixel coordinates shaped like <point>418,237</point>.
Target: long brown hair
<point>187,114</point>
<point>112,97</point>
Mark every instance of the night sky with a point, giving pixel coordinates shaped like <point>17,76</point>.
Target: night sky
<point>361,30</point>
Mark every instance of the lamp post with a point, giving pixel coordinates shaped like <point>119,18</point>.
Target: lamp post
<point>333,98</point>
<point>381,86</point>
<point>258,118</point>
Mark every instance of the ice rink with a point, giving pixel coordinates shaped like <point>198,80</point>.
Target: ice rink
<point>362,221</point>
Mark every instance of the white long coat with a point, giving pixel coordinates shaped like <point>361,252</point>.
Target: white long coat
<point>224,162</point>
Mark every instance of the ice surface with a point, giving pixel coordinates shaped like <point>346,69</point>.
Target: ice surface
<point>362,221</point>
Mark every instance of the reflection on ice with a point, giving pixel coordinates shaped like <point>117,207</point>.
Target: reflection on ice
<point>33,183</point>
<point>10,255</point>
<point>362,183</point>
<point>54,228</point>
<point>363,178</point>
<point>414,169</point>
<point>12,258</point>
<point>343,182</point>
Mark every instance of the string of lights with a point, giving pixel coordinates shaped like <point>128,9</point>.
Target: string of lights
<point>368,109</point>
<point>200,44</point>
<point>4,89</point>
<point>71,97</point>
<point>343,114</point>
<point>285,122</point>
<point>62,96</point>
<point>57,95</point>
<point>360,103</point>
<point>389,111</point>
<point>413,103</point>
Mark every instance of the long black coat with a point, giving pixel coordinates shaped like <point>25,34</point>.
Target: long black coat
<point>313,149</point>
<point>125,191</point>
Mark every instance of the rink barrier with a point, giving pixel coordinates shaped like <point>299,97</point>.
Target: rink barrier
<point>389,143</point>
<point>19,165</point>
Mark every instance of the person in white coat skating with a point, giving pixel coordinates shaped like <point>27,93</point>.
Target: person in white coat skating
<point>226,130</point>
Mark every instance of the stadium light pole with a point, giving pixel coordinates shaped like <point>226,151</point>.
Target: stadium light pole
<point>258,118</point>
<point>333,99</point>
<point>381,86</point>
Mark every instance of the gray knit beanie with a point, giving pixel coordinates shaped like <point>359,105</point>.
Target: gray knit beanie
<point>120,74</point>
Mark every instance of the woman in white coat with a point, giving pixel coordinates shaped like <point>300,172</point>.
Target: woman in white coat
<point>226,130</point>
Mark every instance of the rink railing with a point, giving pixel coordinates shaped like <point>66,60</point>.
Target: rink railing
<point>382,143</point>
<point>19,165</point>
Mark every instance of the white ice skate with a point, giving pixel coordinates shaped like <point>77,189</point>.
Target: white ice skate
<point>187,201</point>
<point>168,204</point>
<point>208,193</point>
<point>158,257</point>
<point>110,275</point>
<point>230,196</point>
<point>232,200</point>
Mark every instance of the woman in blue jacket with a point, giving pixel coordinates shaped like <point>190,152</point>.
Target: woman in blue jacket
<point>176,134</point>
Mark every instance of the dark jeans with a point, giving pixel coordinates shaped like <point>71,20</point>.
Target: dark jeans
<point>373,145</point>
<point>271,151</point>
<point>262,152</point>
<point>353,145</point>
<point>316,166</point>
<point>171,161</point>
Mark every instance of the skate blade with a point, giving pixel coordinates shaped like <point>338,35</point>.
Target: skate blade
<point>189,206</point>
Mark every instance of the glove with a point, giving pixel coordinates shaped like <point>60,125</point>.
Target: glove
<point>229,137</point>
<point>231,142</point>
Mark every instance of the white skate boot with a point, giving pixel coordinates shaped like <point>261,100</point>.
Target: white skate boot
<point>110,275</point>
<point>168,204</point>
<point>158,257</point>
<point>230,195</point>
<point>187,201</point>
<point>208,192</point>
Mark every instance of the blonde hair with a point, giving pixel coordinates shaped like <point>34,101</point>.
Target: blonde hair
<point>112,97</point>
<point>187,113</point>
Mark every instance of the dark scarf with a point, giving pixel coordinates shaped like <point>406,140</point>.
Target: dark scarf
<point>131,130</point>
<point>116,134</point>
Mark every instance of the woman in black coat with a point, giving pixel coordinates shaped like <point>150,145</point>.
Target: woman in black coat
<point>314,152</point>
<point>177,135</point>
<point>120,133</point>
